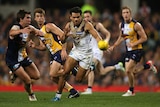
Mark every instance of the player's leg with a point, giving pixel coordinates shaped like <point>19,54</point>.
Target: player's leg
<point>119,66</point>
<point>80,74</point>
<point>27,83</point>
<point>90,78</point>
<point>32,71</point>
<point>129,66</point>
<point>85,66</point>
<point>12,76</point>
<point>68,66</point>
<point>90,83</point>
<point>105,70</point>
<point>55,69</point>
<point>73,93</point>
<point>148,65</point>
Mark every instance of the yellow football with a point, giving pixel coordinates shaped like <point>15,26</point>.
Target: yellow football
<point>102,45</point>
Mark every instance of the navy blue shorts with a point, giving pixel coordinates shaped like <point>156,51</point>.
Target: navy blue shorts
<point>135,55</point>
<point>14,65</point>
<point>57,57</point>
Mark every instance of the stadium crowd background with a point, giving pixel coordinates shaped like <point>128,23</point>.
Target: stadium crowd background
<point>110,18</point>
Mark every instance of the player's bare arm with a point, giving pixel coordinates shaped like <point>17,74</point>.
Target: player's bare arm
<point>119,40</point>
<point>89,27</point>
<point>103,31</point>
<point>36,31</point>
<point>67,33</point>
<point>64,52</point>
<point>140,31</point>
<point>15,30</point>
<point>50,27</point>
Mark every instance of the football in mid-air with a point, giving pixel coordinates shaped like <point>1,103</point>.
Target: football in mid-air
<point>102,45</point>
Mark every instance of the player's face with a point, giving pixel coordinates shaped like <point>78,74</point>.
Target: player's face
<point>87,17</point>
<point>39,18</point>
<point>76,18</point>
<point>126,14</point>
<point>26,20</point>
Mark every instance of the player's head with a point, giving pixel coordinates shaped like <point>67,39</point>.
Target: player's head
<point>39,16</point>
<point>87,15</point>
<point>126,13</point>
<point>76,15</point>
<point>24,17</point>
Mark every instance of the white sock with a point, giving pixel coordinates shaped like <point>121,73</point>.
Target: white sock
<point>58,95</point>
<point>89,89</point>
<point>117,66</point>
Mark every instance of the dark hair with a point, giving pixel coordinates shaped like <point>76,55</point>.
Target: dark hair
<point>75,10</point>
<point>21,14</point>
<point>88,11</point>
<point>39,10</point>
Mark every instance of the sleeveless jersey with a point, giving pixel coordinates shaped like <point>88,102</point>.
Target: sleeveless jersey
<point>16,50</point>
<point>81,38</point>
<point>130,35</point>
<point>51,41</point>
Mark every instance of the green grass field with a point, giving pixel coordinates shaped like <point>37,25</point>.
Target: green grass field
<point>97,99</point>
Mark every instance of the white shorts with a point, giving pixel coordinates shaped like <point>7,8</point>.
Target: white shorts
<point>98,54</point>
<point>83,58</point>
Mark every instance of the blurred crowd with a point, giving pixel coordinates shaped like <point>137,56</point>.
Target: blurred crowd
<point>150,21</point>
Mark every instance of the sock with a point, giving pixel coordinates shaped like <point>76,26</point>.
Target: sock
<point>68,86</point>
<point>58,94</point>
<point>146,66</point>
<point>28,88</point>
<point>89,88</point>
<point>74,71</point>
<point>131,89</point>
<point>117,66</point>
<point>31,94</point>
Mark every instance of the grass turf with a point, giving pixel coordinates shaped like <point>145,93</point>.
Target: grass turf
<point>97,99</point>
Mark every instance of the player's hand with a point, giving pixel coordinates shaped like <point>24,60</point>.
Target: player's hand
<point>26,30</point>
<point>110,49</point>
<point>31,44</point>
<point>39,33</point>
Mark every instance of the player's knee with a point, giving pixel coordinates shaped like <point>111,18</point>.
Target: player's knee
<point>37,77</point>
<point>128,71</point>
<point>53,75</point>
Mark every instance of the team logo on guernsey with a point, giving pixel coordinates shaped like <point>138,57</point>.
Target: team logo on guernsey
<point>126,59</point>
<point>24,37</point>
<point>55,57</point>
<point>134,56</point>
<point>79,33</point>
<point>16,66</point>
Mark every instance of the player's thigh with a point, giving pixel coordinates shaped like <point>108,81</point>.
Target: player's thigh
<point>20,72</point>
<point>129,66</point>
<point>55,68</point>
<point>99,67</point>
<point>32,71</point>
<point>69,64</point>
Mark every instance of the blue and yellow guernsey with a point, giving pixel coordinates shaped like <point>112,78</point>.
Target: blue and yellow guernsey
<point>130,35</point>
<point>51,41</point>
